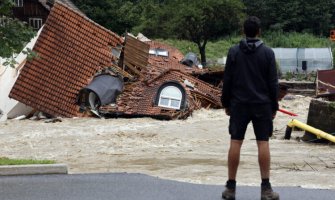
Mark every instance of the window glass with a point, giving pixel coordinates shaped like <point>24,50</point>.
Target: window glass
<point>170,97</point>
<point>152,51</point>
<point>171,91</point>
<point>159,52</point>
<point>162,52</point>
<point>175,103</point>
<point>164,101</point>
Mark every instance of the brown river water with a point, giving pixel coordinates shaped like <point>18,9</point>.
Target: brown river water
<point>192,150</point>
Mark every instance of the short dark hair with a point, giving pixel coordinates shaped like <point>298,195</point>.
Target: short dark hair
<point>252,26</point>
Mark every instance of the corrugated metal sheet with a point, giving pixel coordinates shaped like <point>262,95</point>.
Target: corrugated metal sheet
<point>325,83</point>
<point>136,53</point>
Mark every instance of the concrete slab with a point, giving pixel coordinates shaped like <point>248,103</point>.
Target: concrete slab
<point>15,170</point>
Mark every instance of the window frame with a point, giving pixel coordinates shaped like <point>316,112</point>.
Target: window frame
<point>18,3</point>
<point>159,52</point>
<point>170,98</point>
<point>182,102</point>
<point>34,20</point>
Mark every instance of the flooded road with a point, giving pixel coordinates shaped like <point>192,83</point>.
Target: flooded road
<point>192,150</point>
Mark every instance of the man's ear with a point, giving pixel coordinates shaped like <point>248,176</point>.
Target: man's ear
<point>259,33</point>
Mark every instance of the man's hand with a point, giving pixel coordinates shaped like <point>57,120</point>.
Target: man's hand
<point>227,111</point>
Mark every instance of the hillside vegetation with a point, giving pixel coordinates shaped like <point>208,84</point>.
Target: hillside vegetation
<point>219,48</point>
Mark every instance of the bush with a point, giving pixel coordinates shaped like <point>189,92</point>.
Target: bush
<point>7,161</point>
<point>218,49</point>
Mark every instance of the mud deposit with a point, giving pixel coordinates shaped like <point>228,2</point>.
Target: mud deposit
<point>193,150</point>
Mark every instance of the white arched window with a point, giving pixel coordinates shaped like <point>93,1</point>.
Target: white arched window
<point>170,97</point>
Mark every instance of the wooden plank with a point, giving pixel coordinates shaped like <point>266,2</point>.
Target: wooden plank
<point>133,69</point>
<point>136,53</point>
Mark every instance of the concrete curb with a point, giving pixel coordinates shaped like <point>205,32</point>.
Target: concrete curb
<point>14,170</point>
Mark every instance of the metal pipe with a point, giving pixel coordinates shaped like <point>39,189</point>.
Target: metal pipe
<point>320,134</point>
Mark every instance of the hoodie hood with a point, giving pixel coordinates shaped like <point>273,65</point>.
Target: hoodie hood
<point>249,46</point>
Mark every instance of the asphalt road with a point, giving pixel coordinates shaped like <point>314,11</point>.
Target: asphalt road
<point>123,186</point>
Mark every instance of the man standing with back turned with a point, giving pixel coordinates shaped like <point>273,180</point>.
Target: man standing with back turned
<point>250,93</point>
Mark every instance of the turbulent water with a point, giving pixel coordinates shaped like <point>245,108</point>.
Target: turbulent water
<point>192,150</point>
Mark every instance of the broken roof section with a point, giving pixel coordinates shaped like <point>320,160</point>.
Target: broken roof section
<point>145,98</point>
<point>166,89</point>
<point>164,57</point>
<point>135,55</point>
<point>71,49</point>
<point>325,84</point>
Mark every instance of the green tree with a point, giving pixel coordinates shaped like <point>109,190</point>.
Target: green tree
<point>312,16</point>
<point>14,34</point>
<point>277,15</point>
<point>116,15</point>
<point>152,20</point>
<point>201,21</point>
<point>318,16</point>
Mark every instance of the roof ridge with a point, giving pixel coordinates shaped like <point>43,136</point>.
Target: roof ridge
<point>85,17</point>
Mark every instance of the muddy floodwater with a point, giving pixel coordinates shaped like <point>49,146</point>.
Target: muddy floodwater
<point>192,150</point>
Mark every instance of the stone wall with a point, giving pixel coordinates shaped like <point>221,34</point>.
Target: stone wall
<point>321,115</point>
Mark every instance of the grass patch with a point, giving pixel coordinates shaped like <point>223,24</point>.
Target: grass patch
<point>311,77</point>
<point>296,40</point>
<point>8,161</point>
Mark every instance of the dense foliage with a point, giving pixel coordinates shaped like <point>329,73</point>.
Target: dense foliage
<point>312,16</point>
<point>156,18</point>
<point>117,15</point>
<point>202,21</point>
<point>198,21</point>
<point>219,48</point>
<point>13,33</point>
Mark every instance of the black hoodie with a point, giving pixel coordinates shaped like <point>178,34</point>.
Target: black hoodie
<point>250,75</point>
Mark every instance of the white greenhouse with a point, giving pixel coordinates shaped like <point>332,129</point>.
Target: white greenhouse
<point>303,59</point>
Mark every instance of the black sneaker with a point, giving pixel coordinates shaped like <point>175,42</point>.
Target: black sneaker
<point>229,194</point>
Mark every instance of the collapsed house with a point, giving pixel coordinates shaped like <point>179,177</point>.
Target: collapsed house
<point>82,67</point>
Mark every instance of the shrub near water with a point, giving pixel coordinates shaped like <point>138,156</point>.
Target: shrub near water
<point>214,50</point>
<point>7,161</point>
<point>296,40</point>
